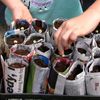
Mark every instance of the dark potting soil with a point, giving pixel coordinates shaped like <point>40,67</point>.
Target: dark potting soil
<point>96,68</point>
<point>57,24</point>
<point>37,29</point>
<point>18,38</point>
<point>61,66</point>
<point>75,72</point>
<point>43,48</point>
<point>81,50</point>
<point>40,63</point>
<point>22,23</point>
<point>32,39</point>
<point>17,65</point>
<point>39,25</point>
<point>98,43</point>
<point>97,55</point>
<point>66,52</point>
<point>22,52</point>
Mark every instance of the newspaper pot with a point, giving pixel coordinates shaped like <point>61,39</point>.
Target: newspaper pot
<point>22,51</point>
<point>15,74</point>
<point>96,52</point>
<point>38,74</point>
<point>56,24</point>
<point>82,52</point>
<point>75,80</point>
<point>96,41</point>
<point>34,37</point>
<point>56,80</point>
<point>93,77</point>
<point>45,49</point>
<point>86,40</point>
<point>13,37</point>
<point>21,24</point>
<point>40,26</point>
<point>67,53</point>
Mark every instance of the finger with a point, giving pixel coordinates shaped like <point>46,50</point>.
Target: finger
<point>65,39</point>
<point>68,46</point>
<point>61,49</point>
<point>72,39</point>
<point>57,33</point>
<point>59,45</point>
<point>59,41</point>
<point>30,20</point>
<point>28,17</point>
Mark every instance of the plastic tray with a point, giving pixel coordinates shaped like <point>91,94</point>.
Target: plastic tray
<point>26,96</point>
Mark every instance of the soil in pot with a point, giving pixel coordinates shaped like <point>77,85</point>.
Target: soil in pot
<point>11,40</point>
<point>75,72</point>
<point>36,38</point>
<point>22,52</point>
<point>40,63</point>
<point>43,48</point>
<point>61,66</point>
<point>17,65</point>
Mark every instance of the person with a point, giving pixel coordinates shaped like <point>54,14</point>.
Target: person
<point>77,23</point>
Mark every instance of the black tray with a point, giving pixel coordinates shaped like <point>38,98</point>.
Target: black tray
<point>27,96</point>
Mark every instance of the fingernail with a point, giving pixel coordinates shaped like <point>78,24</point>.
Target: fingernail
<point>61,53</point>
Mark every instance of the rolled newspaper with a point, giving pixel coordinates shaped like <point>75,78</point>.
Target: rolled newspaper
<point>57,76</point>
<point>55,25</point>
<point>13,37</point>
<point>22,51</point>
<point>38,74</point>
<point>14,74</point>
<point>75,80</point>
<point>22,25</point>
<point>45,49</point>
<point>93,77</point>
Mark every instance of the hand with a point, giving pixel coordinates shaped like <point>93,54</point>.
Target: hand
<point>22,12</point>
<point>71,29</point>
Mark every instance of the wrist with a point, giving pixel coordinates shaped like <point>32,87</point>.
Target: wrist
<point>93,15</point>
<point>94,11</point>
<point>18,6</point>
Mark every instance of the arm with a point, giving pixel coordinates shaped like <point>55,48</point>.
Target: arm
<point>18,9</point>
<point>94,10</point>
<point>78,26</point>
<point>12,4</point>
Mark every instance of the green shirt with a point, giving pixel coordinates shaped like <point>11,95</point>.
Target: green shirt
<point>49,10</point>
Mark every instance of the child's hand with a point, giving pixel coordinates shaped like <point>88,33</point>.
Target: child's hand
<point>71,29</point>
<point>22,12</point>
